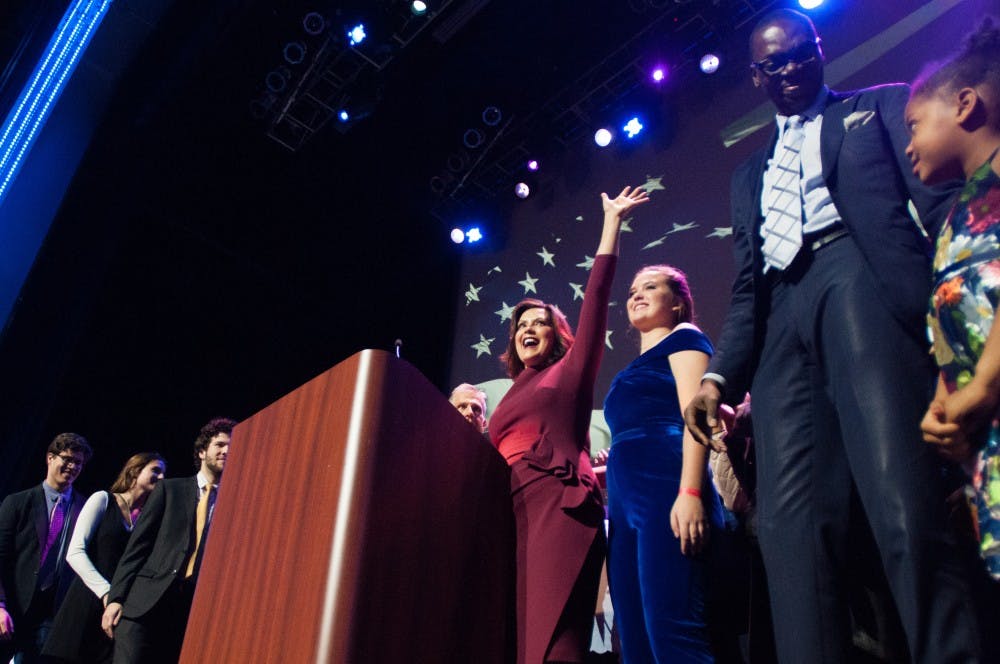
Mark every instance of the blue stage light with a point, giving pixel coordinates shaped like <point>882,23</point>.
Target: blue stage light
<point>810,4</point>
<point>418,7</point>
<point>632,128</point>
<point>356,35</point>
<point>344,116</point>
<point>473,234</point>
<point>45,84</point>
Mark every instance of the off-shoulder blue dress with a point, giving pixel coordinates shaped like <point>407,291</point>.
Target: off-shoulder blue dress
<point>658,593</point>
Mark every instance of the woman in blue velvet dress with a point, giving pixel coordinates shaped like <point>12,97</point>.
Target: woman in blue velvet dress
<point>661,503</point>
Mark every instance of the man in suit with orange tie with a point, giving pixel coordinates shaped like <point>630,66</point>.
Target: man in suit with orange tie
<point>151,592</point>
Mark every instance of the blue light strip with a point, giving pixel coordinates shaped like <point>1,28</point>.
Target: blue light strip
<point>34,104</point>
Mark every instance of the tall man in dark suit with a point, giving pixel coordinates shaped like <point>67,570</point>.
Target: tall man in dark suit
<point>35,527</point>
<point>825,328</point>
<point>153,586</point>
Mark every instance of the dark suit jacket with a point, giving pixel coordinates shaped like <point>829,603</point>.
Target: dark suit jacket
<point>862,147</point>
<point>24,527</point>
<point>159,547</point>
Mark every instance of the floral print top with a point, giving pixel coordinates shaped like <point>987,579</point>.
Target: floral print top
<point>962,308</point>
<point>966,278</point>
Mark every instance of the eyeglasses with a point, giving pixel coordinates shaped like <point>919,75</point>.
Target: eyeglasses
<point>71,460</point>
<point>801,55</point>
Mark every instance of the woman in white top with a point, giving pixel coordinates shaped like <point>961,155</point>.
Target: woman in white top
<point>99,539</point>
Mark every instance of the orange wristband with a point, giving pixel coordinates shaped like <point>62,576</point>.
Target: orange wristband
<point>689,491</point>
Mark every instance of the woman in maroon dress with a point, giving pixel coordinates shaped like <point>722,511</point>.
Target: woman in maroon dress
<point>540,427</point>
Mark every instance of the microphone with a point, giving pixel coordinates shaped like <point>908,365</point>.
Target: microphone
<point>399,343</point>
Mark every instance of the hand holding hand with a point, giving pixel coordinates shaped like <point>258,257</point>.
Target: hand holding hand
<point>624,202</point>
<point>112,614</point>
<point>688,521</point>
<point>702,417</point>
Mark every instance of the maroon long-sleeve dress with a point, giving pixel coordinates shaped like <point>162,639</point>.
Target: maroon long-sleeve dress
<point>557,503</point>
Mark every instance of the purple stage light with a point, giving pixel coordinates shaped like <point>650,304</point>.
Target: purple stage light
<point>533,165</point>
<point>810,4</point>
<point>659,74</point>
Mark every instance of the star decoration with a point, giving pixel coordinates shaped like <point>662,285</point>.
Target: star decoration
<point>653,184</point>
<point>558,240</point>
<point>721,232</point>
<point>579,217</point>
<point>627,225</point>
<point>654,243</point>
<point>482,346</point>
<point>546,257</point>
<point>682,227</point>
<point>472,295</point>
<point>588,262</point>
<point>495,268</point>
<point>529,283</point>
<point>607,339</point>
<point>505,312</point>
<point>577,291</point>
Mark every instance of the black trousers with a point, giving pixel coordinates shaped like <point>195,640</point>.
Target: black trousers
<point>838,397</point>
<point>157,636</point>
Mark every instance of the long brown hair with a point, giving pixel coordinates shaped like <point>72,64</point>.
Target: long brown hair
<point>132,468</point>
<point>563,340</point>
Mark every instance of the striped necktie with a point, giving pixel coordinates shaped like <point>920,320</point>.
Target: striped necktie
<point>782,227</point>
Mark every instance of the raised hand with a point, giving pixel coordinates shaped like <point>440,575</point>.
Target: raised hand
<point>625,201</point>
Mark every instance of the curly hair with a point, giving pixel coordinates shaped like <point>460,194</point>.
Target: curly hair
<point>214,427</point>
<point>977,65</point>
<point>132,469</point>
<point>562,343</point>
<point>73,442</point>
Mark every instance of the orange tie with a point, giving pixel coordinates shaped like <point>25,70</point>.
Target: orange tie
<point>200,519</point>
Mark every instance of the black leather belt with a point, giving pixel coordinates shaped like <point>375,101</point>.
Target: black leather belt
<point>824,237</point>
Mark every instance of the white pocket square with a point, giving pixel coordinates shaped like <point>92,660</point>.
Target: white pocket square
<point>858,119</point>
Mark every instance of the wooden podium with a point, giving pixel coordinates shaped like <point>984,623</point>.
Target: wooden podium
<point>360,519</point>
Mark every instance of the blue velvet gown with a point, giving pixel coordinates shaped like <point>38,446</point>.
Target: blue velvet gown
<point>658,593</point>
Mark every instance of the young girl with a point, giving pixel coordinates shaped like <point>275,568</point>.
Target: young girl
<point>954,120</point>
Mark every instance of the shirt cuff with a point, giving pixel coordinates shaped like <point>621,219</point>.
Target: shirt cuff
<point>716,378</point>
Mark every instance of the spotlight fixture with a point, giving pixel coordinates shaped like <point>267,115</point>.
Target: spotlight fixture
<point>313,23</point>
<point>810,4</point>
<point>343,115</point>
<point>522,190</point>
<point>632,128</point>
<point>418,7</point>
<point>709,63</point>
<point>356,35</point>
<point>659,74</point>
<point>533,165</point>
<point>603,137</point>
<point>492,116</point>
<point>471,235</point>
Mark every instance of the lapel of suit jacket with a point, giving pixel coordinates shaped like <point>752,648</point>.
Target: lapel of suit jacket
<point>190,507</point>
<point>40,510</point>
<point>838,105</point>
<point>756,215</point>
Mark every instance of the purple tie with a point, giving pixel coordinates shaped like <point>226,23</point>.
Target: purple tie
<point>55,526</point>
